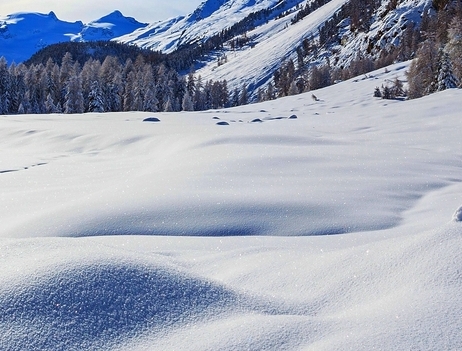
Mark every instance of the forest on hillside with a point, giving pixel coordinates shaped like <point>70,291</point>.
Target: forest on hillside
<point>112,77</point>
<point>107,86</point>
<point>435,46</point>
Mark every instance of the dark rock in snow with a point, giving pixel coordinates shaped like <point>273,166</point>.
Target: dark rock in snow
<point>223,123</point>
<point>151,119</point>
<point>293,117</point>
<point>256,120</point>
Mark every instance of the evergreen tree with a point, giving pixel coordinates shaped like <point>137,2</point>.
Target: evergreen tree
<point>454,45</point>
<point>129,96</point>
<point>422,72</point>
<point>244,96</point>
<point>190,84</point>
<point>95,98</point>
<point>260,95</point>
<point>235,97</point>
<point>446,78</point>
<point>187,104</point>
<point>150,102</point>
<point>270,92</point>
<point>114,100</point>
<point>21,109</point>
<point>50,105</point>
<point>5,86</point>
<point>168,107</point>
<point>65,73</point>
<point>74,98</point>
<point>397,90</point>
<point>25,105</point>
<point>88,75</point>
<point>18,87</point>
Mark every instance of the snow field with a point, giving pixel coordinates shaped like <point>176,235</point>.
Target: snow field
<point>182,234</point>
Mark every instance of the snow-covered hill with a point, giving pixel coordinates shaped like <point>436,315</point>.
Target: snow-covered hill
<point>272,44</point>
<point>208,230</point>
<point>23,34</point>
<point>274,39</point>
<point>210,18</point>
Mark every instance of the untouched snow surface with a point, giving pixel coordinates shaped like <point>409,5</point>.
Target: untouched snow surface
<point>188,233</point>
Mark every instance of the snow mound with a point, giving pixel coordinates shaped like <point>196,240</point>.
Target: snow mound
<point>457,217</point>
<point>81,305</point>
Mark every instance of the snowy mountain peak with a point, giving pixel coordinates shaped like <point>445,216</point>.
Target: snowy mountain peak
<point>211,7</point>
<point>108,27</point>
<point>24,33</point>
<point>117,17</point>
<point>207,8</point>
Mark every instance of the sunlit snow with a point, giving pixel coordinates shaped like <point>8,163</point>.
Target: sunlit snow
<point>338,229</point>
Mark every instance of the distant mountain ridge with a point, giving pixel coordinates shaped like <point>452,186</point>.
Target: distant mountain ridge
<point>22,34</point>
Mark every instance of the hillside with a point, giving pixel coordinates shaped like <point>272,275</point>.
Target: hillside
<point>290,224</point>
<point>273,32</point>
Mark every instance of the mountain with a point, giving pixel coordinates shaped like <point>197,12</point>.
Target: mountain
<point>272,32</point>
<point>23,34</point>
<point>246,42</point>
<point>210,18</point>
<point>108,27</point>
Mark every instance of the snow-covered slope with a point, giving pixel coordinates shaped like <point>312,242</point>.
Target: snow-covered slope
<point>108,27</point>
<point>386,30</point>
<point>23,34</point>
<point>272,44</point>
<point>210,18</point>
<point>235,199</point>
<point>276,39</point>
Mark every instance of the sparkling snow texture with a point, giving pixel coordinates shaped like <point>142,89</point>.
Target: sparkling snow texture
<point>183,234</point>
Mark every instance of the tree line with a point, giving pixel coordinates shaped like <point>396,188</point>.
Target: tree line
<point>107,86</point>
<point>438,61</point>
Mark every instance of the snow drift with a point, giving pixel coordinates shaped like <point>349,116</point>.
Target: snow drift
<point>183,234</point>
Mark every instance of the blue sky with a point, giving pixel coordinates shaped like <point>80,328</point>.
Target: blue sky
<point>88,10</point>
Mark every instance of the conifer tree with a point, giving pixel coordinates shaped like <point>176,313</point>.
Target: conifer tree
<point>95,98</point>
<point>150,102</point>
<point>74,102</point>
<point>5,86</point>
<point>168,107</point>
<point>187,104</point>
<point>446,78</point>
<point>244,95</point>
<point>423,70</point>
<point>50,105</point>
<point>454,45</point>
